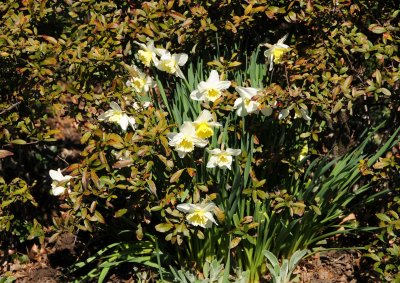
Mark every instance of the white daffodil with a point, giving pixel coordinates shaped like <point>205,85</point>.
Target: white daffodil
<point>222,158</point>
<point>116,115</point>
<point>170,63</point>
<point>275,52</point>
<point>244,104</point>
<point>211,89</point>
<point>148,53</point>
<point>204,125</point>
<point>140,83</point>
<point>199,214</point>
<point>59,182</point>
<point>185,141</point>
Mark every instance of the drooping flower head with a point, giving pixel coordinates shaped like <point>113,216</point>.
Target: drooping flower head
<point>59,182</point>
<point>275,52</point>
<point>148,53</point>
<point>170,63</point>
<point>204,124</point>
<point>199,214</point>
<point>140,82</point>
<point>186,140</point>
<point>116,115</point>
<point>244,104</point>
<point>211,89</point>
<point>222,158</point>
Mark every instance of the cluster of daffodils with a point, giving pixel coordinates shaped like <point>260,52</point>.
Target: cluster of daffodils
<point>161,58</point>
<point>60,182</point>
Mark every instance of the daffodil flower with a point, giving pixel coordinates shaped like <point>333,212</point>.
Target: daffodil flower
<point>211,89</point>
<point>185,141</point>
<point>199,214</point>
<point>275,52</point>
<point>244,104</point>
<point>148,53</point>
<point>222,158</point>
<point>59,182</point>
<point>140,83</point>
<point>204,125</point>
<point>116,115</point>
<point>170,63</point>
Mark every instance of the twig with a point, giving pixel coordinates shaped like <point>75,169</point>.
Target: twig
<point>10,108</point>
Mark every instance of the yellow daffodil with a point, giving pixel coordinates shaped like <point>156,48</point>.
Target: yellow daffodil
<point>211,89</point>
<point>199,214</point>
<point>116,115</point>
<point>148,52</point>
<point>222,158</point>
<point>140,82</point>
<point>170,63</point>
<point>275,52</point>
<point>244,104</point>
<point>59,182</point>
<point>204,125</point>
<point>186,140</point>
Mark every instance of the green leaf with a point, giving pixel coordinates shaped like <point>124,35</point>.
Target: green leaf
<point>164,227</point>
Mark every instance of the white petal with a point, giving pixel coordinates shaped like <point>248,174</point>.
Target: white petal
<point>212,162</point>
<point>179,73</point>
<point>115,106</point>
<point>281,40</point>
<point>246,92</point>
<point>252,107</point>
<point>124,122</point>
<point>188,128</point>
<point>132,122</point>
<point>238,102</point>
<point>56,175</point>
<point>56,191</point>
<point>199,142</point>
<point>196,95</point>
<point>181,58</point>
<point>204,116</point>
<point>266,111</point>
<point>233,152</point>
<point>223,85</point>
<point>213,78</point>
<point>185,207</point>
<point>210,217</point>
<point>214,151</point>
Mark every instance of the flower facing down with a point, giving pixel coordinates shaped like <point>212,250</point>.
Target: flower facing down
<point>199,214</point>
<point>211,89</point>
<point>275,52</point>
<point>116,115</point>
<point>140,83</point>
<point>222,158</point>
<point>204,125</point>
<point>148,53</point>
<point>59,182</point>
<point>244,104</point>
<point>170,63</point>
<point>185,141</point>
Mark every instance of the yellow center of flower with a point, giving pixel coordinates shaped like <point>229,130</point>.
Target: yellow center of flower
<point>246,101</point>
<point>197,218</point>
<point>168,66</point>
<point>138,84</point>
<point>278,52</point>
<point>223,158</point>
<point>145,57</point>
<point>213,94</point>
<point>116,117</point>
<point>204,131</point>
<point>186,145</point>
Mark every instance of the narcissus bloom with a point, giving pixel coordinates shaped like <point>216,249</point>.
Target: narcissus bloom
<point>59,182</point>
<point>211,89</point>
<point>116,115</point>
<point>204,125</point>
<point>140,83</point>
<point>185,141</point>
<point>244,104</point>
<point>148,53</point>
<point>170,63</point>
<point>275,52</point>
<point>199,214</point>
<point>222,158</point>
